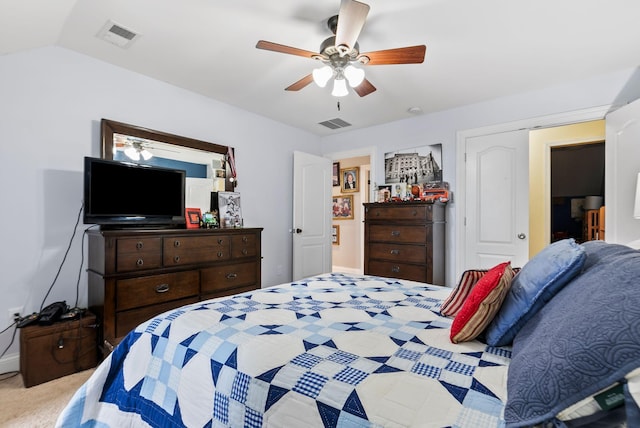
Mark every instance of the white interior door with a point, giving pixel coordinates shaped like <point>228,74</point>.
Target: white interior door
<point>312,183</point>
<point>622,165</point>
<point>497,200</point>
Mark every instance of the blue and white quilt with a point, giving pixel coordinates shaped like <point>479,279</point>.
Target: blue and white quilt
<point>333,350</point>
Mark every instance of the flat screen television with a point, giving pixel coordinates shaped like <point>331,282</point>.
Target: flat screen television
<point>123,194</point>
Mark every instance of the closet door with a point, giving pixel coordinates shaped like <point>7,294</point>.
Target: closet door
<point>497,199</point>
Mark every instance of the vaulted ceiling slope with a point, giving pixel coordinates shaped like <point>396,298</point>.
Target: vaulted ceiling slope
<point>476,50</point>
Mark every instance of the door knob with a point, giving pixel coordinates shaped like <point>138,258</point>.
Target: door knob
<point>521,236</point>
<point>298,230</point>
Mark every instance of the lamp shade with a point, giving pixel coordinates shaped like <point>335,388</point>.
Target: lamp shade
<point>636,207</point>
<point>354,75</point>
<point>322,75</point>
<point>339,88</point>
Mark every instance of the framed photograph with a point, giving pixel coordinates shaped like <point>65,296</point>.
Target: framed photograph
<point>336,174</point>
<point>229,209</point>
<point>335,234</point>
<point>350,179</point>
<point>193,216</point>
<point>384,193</point>
<point>343,207</point>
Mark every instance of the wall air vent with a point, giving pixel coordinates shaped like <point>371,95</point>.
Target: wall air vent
<point>117,34</point>
<point>335,123</point>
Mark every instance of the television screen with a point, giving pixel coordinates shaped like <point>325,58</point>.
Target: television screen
<point>126,194</point>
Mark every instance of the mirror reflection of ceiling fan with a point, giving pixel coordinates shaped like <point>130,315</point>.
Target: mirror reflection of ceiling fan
<point>135,148</point>
<point>340,52</point>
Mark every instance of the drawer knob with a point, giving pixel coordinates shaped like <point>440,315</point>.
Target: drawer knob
<point>176,259</point>
<point>220,254</point>
<point>245,239</point>
<point>415,213</point>
<point>139,245</point>
<point>395,233</point>
<point>232,275</point>
<point>395,252</point>
<point>220,241</point>
<point>244,251</point>
<point>395,269</point>
<point>176,243</point>
<point>139,262</point>
<point>162,288</point>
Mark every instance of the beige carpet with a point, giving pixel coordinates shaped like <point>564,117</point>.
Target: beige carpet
<point>40,405</point>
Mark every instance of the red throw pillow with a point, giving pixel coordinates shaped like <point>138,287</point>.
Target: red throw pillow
<point>482,304</point>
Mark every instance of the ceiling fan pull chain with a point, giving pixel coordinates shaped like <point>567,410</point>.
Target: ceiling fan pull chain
<point>338,105</point>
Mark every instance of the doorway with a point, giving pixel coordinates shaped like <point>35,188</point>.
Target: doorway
<point>577,189</point>
<point>538,194</point>
<point>347,253</point>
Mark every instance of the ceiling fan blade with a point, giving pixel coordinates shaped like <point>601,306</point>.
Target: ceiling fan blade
<point>270,46</point>
<point>365,88</point>
<point>351,19</point>
<point>300,83</point>
<point>408,55</point>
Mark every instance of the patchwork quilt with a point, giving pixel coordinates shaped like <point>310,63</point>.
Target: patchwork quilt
<point>327,351</point>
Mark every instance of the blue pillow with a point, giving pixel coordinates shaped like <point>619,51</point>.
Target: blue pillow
<point>538,281</point>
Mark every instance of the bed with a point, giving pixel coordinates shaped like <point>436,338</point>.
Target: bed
<point>555,344</point>
<point>331,350</point>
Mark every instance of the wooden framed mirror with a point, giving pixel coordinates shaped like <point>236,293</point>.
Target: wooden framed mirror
<point>209,159</point>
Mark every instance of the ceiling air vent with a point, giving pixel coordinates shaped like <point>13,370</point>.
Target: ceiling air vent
<point>117,34</point>
<point>335,123</point>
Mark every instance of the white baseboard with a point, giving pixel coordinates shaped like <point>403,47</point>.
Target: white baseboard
<point>10,363</point>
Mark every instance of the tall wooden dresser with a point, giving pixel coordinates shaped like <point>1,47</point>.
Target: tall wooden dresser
<point>405,240</point>
<point>137,274</point>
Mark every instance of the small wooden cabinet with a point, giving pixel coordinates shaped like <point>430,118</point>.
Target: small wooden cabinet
<point>49,352</point>
<point>405,240</point>
<point>137,274</point>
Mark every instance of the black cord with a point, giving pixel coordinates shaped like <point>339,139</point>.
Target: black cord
<point>81,263</point>
<point>13,337</point>
<point>63,259</point>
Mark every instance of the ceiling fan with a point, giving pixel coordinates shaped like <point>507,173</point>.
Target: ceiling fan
<point>339,52</point>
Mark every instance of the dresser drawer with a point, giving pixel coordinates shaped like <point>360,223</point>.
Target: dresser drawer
<point>184,250</point>
<point>243,246</point>
<point>150,290</point>
<point>398,270</point>
<point>395,233</point>
<point>134,254</point>
<point>227,277</point>
<point>128,320</point>
<point>400,212</point>
<point>398,252</point>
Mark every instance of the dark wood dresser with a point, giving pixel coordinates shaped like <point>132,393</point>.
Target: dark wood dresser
<point>137,274</point>
<point>405,240</point>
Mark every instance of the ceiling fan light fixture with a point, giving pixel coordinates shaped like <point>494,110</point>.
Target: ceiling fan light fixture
<point>322,75</point>
<point>132,153</point>
<point>146,154</point>
<point>354,75</point>
<point>340,88</point>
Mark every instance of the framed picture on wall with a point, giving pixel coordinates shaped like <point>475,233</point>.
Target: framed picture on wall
<point>343,207</point>
<point>336,174</point>
<point>335,234</point>
<point>350,179</point>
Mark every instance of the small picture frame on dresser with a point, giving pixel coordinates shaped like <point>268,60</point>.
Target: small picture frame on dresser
<point>193,217</point>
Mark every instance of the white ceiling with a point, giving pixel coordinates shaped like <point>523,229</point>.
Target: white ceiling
<point>476,50</point>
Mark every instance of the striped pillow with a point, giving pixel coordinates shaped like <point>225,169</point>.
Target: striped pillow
<point>454,302</point>
<point>482,304</point>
